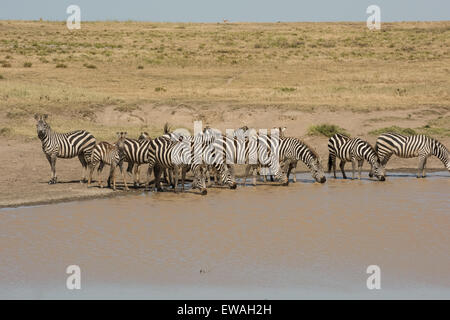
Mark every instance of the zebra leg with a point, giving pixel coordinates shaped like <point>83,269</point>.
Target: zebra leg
<point>246,174</point>
<point>99,174</point>
<point>342,165</point>
<point>136,175</point>
<point>53,167</point>
<point>84,164</point>
<point>112,176</point>
<point>91,171</point>
<point>183,178</point>
<point>334,166</point>
<point>360,164</point>
<point>176,172</point>
<point>421,168</point>
<point>123,176</point>
<point>294,175</point>
<point>371,171</point>
<point>157,172</point>
<point>353,168</point>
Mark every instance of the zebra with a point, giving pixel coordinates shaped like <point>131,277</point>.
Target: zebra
<point>292,150</point>
<point>355,150</point>
<point>334,144</point>
<point>112,155</point>
<point>64,145</point>
<point>202,146</point>
<point>253,150</point>
<point>421,146</point>
<point>171,155</point>
<point>292,165</point>
<point>136,152</point>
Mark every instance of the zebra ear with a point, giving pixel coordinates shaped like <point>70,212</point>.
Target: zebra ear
<point>45,116</point>
<point>36,116</point>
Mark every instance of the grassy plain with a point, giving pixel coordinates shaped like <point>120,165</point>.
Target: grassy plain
<point>134,76</point>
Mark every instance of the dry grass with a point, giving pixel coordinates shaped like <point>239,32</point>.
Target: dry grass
<point>301,66</point>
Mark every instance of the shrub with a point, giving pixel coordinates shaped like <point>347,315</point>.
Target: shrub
<point>1,77</point>
<point>61,65</point>
<point>286,89</point>
<point>27,65</point>
<point>90,66</point>
<point>393,129</point>
<point>5,132</point>
<point>327,130</point>
<point>140,67</point>
<point>6,65</point>
<point>160,89</point>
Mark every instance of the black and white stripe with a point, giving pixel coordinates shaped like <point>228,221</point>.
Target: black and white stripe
<point>177,156</point>
<point>403,146</point>
<point>64,145</point>
<point>292,150</point>
<point>251,149</point>
<point>355,150</point>
<point>113,155</point>
<point>136,154</point>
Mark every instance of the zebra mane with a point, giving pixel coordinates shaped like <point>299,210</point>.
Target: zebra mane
<point>166,128</point>
<point>439,144</point>
<point>311,149</point>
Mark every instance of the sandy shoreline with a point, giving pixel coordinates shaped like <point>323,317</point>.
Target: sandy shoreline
<point>95,193</point>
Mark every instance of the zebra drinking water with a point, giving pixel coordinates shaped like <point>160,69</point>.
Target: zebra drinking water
<point>175,156</point>
<point>112,155</point>
<point>355,150</point>
<point>292,150</point>
<point>403,146</point>
<point>64,145</point>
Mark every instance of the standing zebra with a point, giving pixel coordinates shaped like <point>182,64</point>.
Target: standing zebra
<point>411,146</point>
<point>355,150</point>
<point>251,150</point>
<point>112,155</point>
<point>334,144</point>
<point>175,156</point>
<point>64,145</point>
<point>292,150</point>
<point>136,153</point>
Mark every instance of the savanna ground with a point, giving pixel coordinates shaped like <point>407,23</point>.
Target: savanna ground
<point>130,76</point>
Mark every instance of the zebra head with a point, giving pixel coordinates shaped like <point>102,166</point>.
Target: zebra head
<point>120,143</point>
<point>41,125</point>
<point>199,179</point>
<point>280,175</point>
<point>440,151</point>
<point>378,170</point>
<point>315,166</point>
<point>226,177</point>
<point>144,136</point>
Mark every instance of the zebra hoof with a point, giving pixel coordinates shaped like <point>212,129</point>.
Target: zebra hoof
<point>204,192</point>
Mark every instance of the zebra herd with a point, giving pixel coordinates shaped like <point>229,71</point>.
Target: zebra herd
<point>209,153</point>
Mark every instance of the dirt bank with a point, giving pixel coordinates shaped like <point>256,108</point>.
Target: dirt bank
<point>25,171</point>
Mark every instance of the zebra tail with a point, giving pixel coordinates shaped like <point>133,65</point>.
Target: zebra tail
<point>330,162</point>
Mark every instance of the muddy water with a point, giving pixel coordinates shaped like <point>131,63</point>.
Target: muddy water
<point>303,241</point>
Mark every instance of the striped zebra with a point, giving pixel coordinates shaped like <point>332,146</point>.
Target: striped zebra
<point>292,150</point>
<point>174,156</point>
<point>112,155</point>
<point>334,144</point>
<point>355,150</point>
<point>411,146</point>
<point>136,153</point>
<point>253,150</point>
<point>64,145</point>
